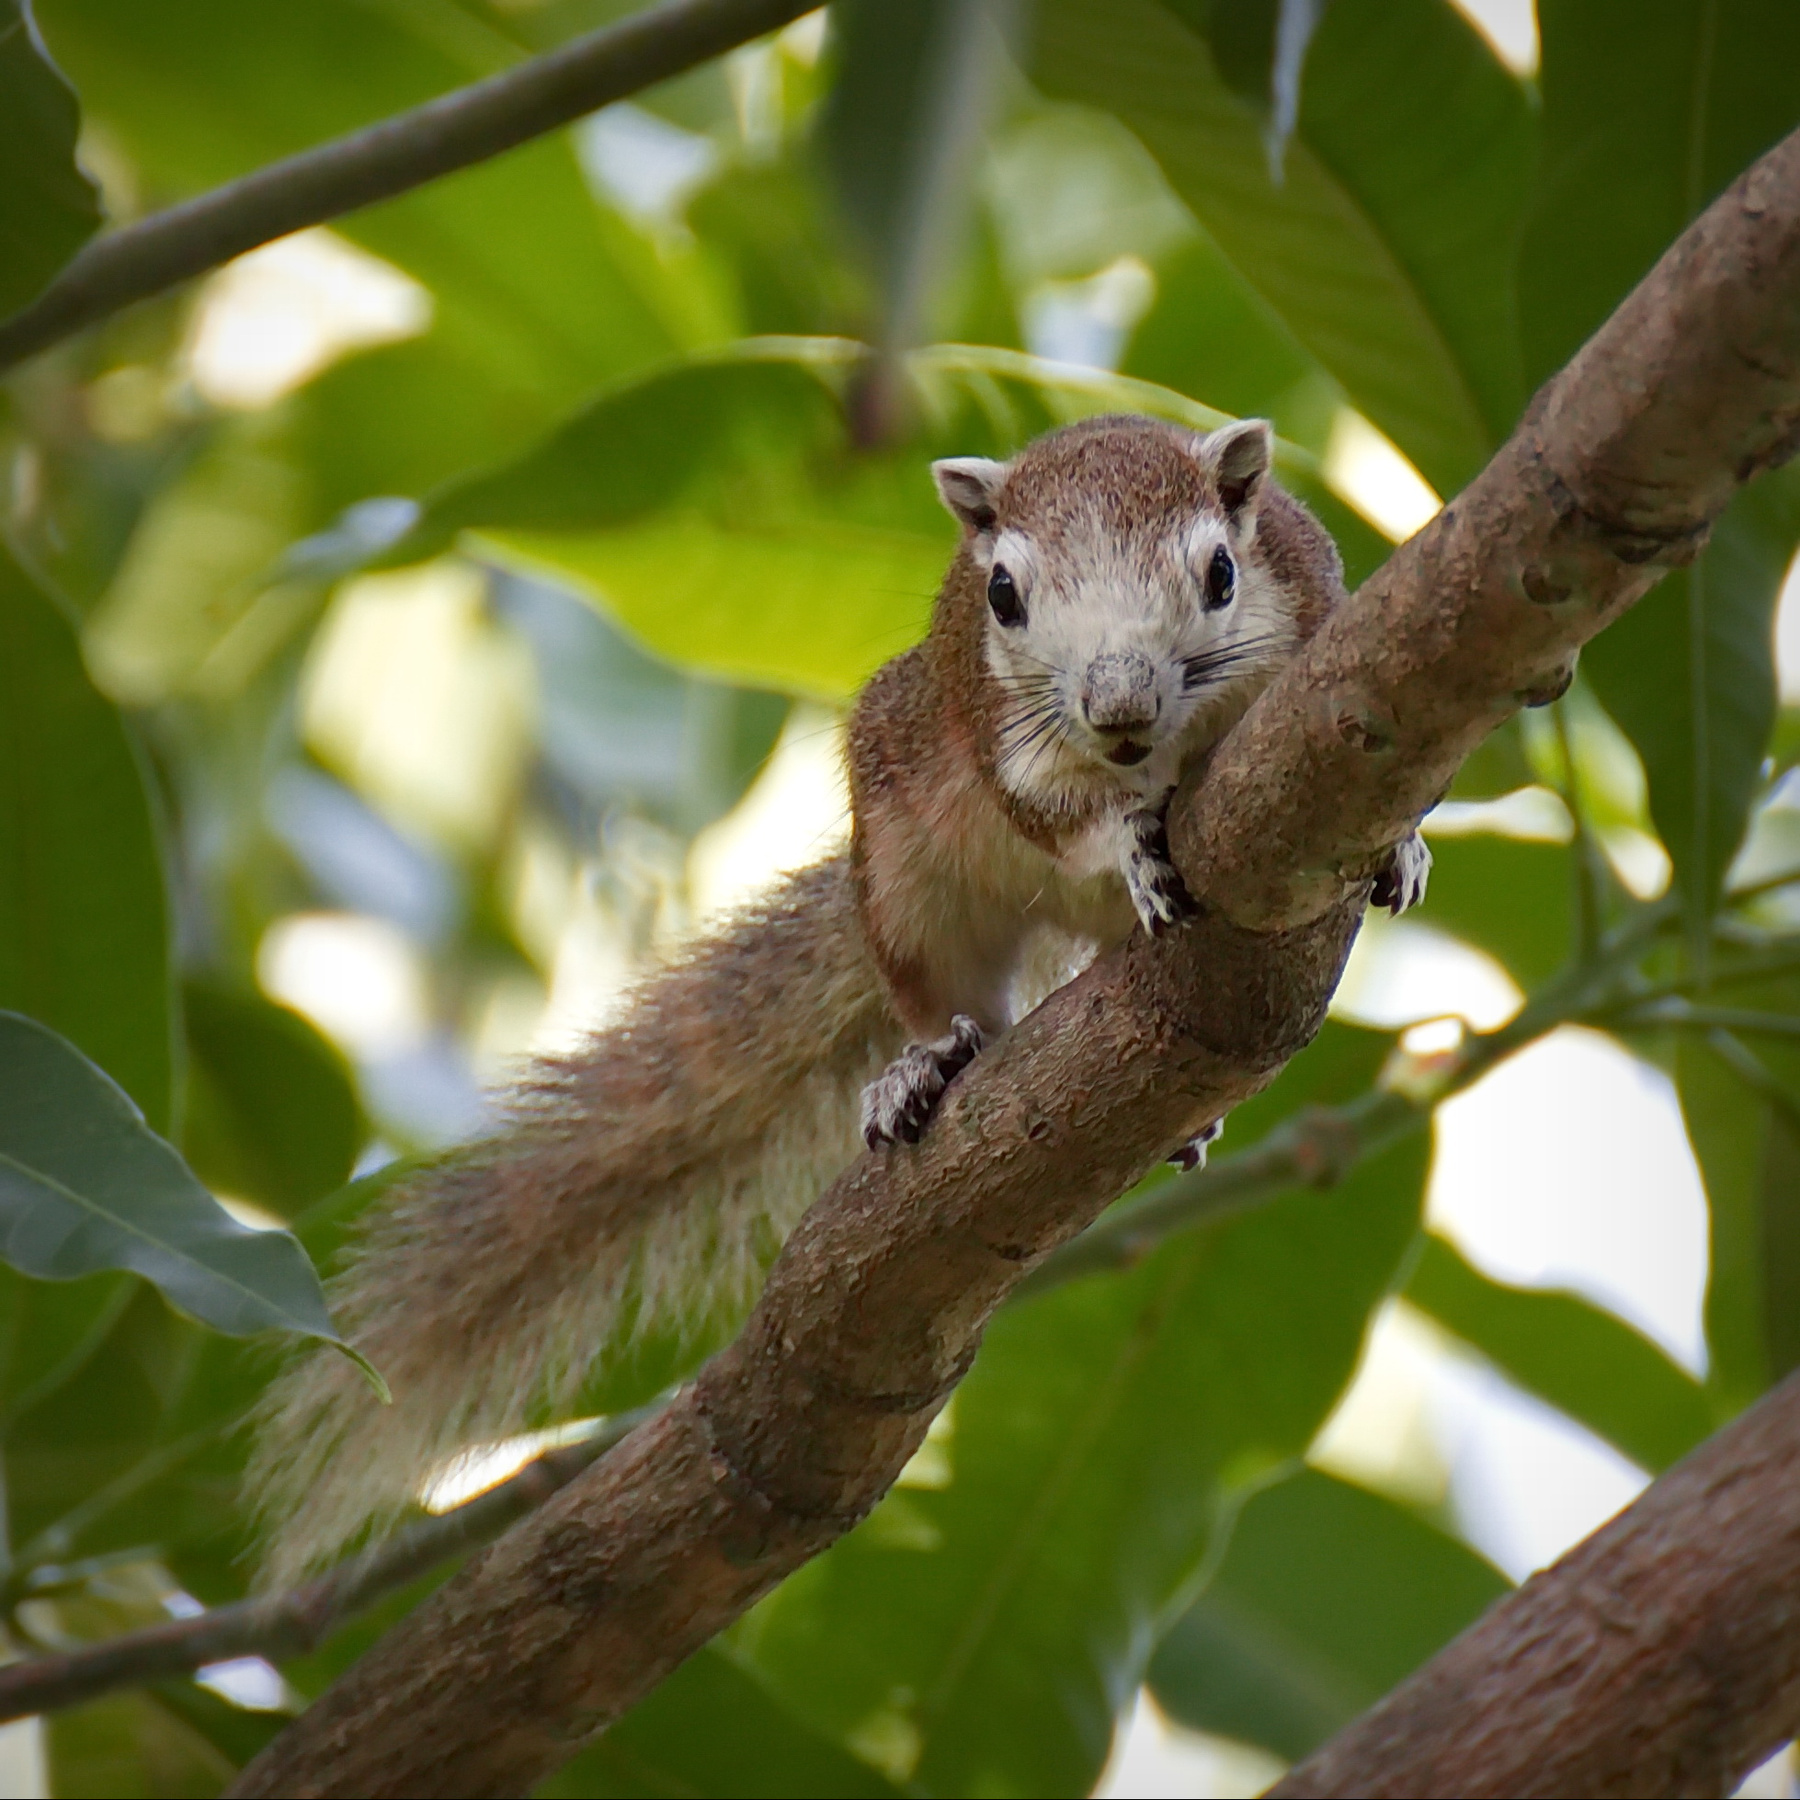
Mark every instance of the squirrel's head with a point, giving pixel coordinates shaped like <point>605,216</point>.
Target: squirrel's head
<point>1139,587</point>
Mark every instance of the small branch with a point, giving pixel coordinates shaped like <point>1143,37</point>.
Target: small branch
<point>1658,1657</point>
<point>449,133</point>
<point>295,1622</point>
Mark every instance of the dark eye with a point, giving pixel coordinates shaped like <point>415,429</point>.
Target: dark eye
<point>1221,579</point>
<point>1003,597</point>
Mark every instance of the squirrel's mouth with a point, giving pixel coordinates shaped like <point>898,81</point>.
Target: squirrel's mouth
<point>1128,753</point>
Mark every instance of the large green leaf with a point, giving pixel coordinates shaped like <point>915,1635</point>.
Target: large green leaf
<point>1387,248</point>
<point>1094,1453</point>
<point>1511,898</point>
<point>86,1186</point>
<point>1689,675</point>
<point>1650,108</point>
<point>1593,1366</point>
<point>83,920</point>
<point>48,208</point>
<point>712,1728</point>
<point>717,508</point>
<point>272,1114</point>
<point>1747,1141</point>
<point>1328,1597</point>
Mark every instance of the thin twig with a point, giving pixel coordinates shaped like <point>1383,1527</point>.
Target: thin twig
<point>465,126</point>
<point>294,1622</point>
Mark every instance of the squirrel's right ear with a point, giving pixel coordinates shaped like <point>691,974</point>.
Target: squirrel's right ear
<point>970,487</point>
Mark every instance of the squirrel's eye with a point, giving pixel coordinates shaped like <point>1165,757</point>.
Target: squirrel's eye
<point>1221,579</point>
<point>1003,597</point>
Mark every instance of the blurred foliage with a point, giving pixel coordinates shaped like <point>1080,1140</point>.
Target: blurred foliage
<point>363,728</point>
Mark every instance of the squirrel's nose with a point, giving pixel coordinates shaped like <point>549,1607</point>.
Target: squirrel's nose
<point>1118,694</point>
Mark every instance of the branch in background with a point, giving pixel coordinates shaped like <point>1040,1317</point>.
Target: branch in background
<point>876,1306</point>
<point>292,1623</point>
<point>1658,1657</point>
<point>452,132</point>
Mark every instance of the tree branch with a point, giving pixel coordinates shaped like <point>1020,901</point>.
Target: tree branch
<point>877,1304</point>
<point>449,133</point>
<point>1658,1657</point>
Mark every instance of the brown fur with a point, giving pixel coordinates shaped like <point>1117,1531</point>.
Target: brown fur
<point>651,1174</point>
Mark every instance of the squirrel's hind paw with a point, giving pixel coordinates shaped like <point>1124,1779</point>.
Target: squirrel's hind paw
<point>1402,883</point>
<point>1158,894</point>
<point>1192,1154</point>
<point>899,1102</point>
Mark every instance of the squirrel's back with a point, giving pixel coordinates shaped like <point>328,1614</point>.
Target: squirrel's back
<point>639,1181</point>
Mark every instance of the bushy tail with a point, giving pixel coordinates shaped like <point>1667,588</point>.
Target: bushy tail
<point>639,1182</point>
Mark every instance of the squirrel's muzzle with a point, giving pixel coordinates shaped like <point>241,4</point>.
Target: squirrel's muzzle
<point>1119,695</point>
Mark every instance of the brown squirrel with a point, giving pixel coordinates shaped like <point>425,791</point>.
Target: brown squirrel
<point>1123,590</point>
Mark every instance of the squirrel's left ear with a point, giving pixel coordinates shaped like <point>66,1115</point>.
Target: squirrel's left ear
<point>970,487</point>
<point>1238,456</point>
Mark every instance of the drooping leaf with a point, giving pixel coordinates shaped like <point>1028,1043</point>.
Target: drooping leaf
<point>272,1114</point>
<point>1328,1596</point>
<point>1557,1346</point>
<point>1748,1146</point>
<point>901,125</point>
<point>48,207</point>
<point>713,1728</point>
<point>1387,249</point>
<point>1100,1442</point>
<point>86,1186</point>
<point>1689,676</point>
<point>83,919</point>
<point>1651,107</point>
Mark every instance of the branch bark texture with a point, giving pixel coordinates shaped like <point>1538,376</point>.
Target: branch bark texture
<point>452,132</point>
<point>877,1305</point>
<point>1662,1656</point>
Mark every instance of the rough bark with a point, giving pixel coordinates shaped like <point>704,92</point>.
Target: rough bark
<point>877,1305</point>
<point>1662,1656</point>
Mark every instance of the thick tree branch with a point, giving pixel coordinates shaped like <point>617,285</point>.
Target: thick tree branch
<point>1658,1657</point>
<point>877,1305</point>
<point>446,134</point>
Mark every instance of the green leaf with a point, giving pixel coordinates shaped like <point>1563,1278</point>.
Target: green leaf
<point>1387,249</point>
<point>1511,898</point>
<point>1748,1147</point>
<point>272,1114</point>
<point>83,920</point>
<point>713,1728</point>
<point>86,1186</point>
<point>898,134</point>
<point>717,509</point>
<point>1591,1365</point>
<point>1650,108</point>
<point>1099,1444</point>
<point>1689,675</point>
<point>48,207</point>
<point>1327,1598</point>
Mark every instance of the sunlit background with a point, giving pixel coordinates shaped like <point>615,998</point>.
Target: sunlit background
<point>482,763</point>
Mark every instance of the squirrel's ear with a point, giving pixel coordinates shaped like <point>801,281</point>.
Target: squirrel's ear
<point>1238,456</point>
<point>970,487</point>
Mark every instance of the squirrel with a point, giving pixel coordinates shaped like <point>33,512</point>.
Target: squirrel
<point>1122,591</point>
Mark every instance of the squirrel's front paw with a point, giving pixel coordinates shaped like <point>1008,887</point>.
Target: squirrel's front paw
<point>1157,891</point>
<point>899,1102</point>
<point>1402,883</point>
